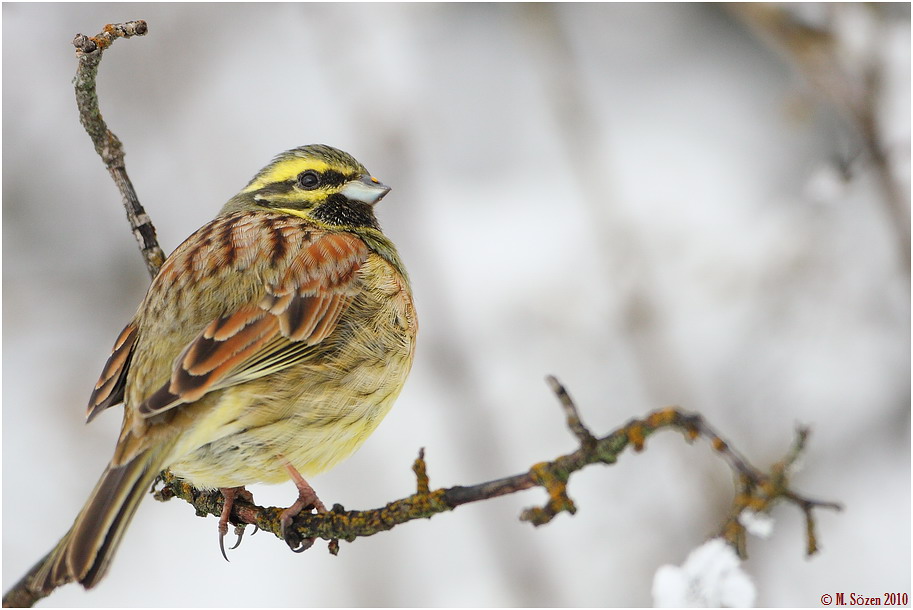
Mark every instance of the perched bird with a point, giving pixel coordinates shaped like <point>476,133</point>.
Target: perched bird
<point>269,346</point>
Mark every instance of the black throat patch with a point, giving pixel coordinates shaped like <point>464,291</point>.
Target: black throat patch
<point>340,211</point>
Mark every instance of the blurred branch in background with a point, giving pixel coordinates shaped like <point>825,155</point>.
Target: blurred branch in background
<point>640,317</point>
<point>847,76</point>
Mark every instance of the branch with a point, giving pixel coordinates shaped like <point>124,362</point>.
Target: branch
<point>108,147</point>
<point>757,491</point>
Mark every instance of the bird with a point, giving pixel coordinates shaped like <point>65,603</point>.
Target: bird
<point>268,347</point>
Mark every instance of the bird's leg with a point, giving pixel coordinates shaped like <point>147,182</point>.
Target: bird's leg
<point>307,498</point>
<point>230,493</point>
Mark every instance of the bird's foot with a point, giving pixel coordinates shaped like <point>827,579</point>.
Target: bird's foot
<point>230,493</point>
<point>307,500</point>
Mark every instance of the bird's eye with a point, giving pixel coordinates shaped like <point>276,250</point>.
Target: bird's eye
<point>308,180</point>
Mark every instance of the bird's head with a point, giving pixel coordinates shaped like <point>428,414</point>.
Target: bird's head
<point>315,182</point>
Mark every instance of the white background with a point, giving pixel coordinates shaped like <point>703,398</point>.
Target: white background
<point>642,200</point>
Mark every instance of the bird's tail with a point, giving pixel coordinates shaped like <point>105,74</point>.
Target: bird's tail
<point>85,552</point>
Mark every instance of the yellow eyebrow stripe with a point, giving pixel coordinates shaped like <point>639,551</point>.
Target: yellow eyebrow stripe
<point>285,170</point>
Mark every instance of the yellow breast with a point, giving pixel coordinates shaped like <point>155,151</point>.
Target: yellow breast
<point>314,414</point>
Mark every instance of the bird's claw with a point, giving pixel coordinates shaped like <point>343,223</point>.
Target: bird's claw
<point>291,537</point>
<point>223,529</point>
<point>239,532</point>
<point>305,545</point>
<point>230,493</point>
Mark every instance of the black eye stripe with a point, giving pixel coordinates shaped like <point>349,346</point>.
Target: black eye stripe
<point>333,178</point>
<point>311,179</point>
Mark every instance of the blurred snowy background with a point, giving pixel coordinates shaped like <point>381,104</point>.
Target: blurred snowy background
<point>652,202</point>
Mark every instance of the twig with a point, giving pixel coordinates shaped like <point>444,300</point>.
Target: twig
<point>582,433</point>
<point>89,50</point>
<point>759,494</point>
<point>21,594</point>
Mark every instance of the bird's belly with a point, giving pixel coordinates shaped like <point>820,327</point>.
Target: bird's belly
<point>278,424</point>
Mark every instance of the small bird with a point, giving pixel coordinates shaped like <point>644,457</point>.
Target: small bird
<point>269,346</point>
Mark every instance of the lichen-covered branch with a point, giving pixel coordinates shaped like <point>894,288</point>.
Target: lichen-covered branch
<point>757,490</point>
<point>89,50</point>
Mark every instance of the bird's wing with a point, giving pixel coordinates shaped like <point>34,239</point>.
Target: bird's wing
<point>299,310</point>
<point>109,390</point>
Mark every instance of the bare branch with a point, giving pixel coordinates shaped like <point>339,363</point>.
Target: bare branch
<point>108,147</point>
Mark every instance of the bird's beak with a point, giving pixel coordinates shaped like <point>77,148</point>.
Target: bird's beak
<point>366,189</point>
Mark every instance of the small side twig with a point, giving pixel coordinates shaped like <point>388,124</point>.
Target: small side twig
<point>89,51</point>
<point>574,422</point>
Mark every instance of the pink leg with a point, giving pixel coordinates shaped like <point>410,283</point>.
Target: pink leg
<point>307,497</point>
<point>230,493</point>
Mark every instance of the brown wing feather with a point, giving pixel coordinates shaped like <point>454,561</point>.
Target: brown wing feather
<point>109,390</point>
<point>299,310</point>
